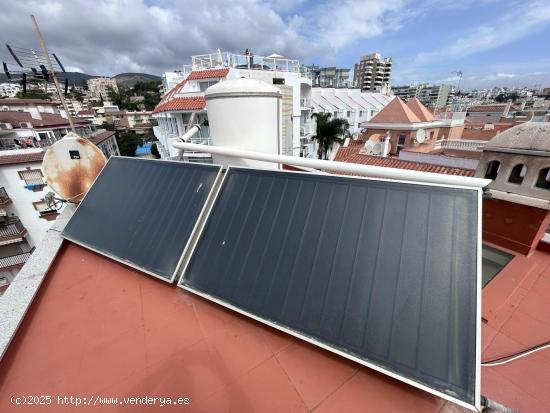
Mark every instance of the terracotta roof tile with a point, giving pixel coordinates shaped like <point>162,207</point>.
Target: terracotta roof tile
<point>208,74</point>
<point>86,112</point>
<point>48,119</point>
<point>420,110</point>
<point>353,155</point>
<point>499,108</point>
<point>21,156</point>
<point>395,112</point>
<point>182,103</point>
<point>9,102</point>
<point>100,137</point>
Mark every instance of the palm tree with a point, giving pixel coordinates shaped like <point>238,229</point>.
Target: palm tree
<point>329,132</point>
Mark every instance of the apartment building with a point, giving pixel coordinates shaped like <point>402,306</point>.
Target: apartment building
<point>24,214</point>
<point>331,77</point>
<point>9,89</point>
<point>372,73</point>
<point>433,96</point>
<point>98,87</point>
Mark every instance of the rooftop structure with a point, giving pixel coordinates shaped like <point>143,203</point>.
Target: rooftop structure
<point>331,77</point>
<point>433,96</point>
<point>98,88</point>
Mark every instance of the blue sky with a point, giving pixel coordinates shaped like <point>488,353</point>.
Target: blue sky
<point>494,42</point>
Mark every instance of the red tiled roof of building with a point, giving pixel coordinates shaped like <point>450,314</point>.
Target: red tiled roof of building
<point>100,137</point>
<point>420,110</point>
<point>496,108</point>
<point>48,119</point>
<point>18,102</point>
<point>352,155</point>
<point>21,156</point>
<point>208,74</point>
<point>86,112</point>
<point>182,103</point>
<point>395,112</point>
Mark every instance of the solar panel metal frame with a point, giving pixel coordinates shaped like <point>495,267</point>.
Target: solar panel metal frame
<point>216,186</point>
<point>476,406</point>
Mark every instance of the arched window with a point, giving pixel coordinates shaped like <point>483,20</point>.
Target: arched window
<point>543,181</point>
<point>492,170</point>
<point>517,174</point>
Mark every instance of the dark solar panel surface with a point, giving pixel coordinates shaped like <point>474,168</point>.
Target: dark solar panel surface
<point>142,212</point>
<point>383,271</point>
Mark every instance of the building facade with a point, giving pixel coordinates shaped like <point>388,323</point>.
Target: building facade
<point>372,73</point>
<point>9,90</point>
<point>433,96</point>
<point>331,77</point>
<point>98,88</point>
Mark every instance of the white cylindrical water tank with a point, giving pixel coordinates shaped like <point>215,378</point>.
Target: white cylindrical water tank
<point>244,114</point>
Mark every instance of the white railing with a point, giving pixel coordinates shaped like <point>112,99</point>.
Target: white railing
<point>460,144</point>
<point>305,103</point>
<point>14,260</point>
<point>241,61</point>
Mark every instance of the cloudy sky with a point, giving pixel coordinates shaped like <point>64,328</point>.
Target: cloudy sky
<point>494,42</point>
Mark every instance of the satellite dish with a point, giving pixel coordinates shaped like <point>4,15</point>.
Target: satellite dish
<point>376,149</point>
<point>420,136</point>
<point>71,165</point>
<point>372,148</point>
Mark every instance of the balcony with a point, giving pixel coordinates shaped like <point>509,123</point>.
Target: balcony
<point>11,230</point>
<point>460,145</point>
<point>14,262</point>
<point>5,200</point>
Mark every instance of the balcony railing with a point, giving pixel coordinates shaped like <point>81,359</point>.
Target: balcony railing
<point>226,59</point>
<point>12,229</point>
<point>14,261</point>
<point>460,144</point>
<point>4,198</point>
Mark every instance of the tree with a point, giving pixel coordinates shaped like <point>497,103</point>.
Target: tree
<point>155,151</point>
<point>329,131</point>
<point>33,94</point>
<point>128,143</point>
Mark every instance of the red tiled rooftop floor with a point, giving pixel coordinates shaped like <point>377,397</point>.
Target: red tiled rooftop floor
<point>98,327</point>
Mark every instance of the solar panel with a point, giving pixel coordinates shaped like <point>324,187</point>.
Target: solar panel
<point>142,212</point>
<point>382,272</point>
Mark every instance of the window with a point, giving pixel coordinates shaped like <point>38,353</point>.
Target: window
<point>348,114</point>
<point>517,174</point>
<point>205,85</point>
<point>492,170</point>
<point>400,142</point>
<point>278,81</point>
<point>45,210</point>
<point>543,180</point>
<point>360,113</point>
<point>492,261</point>
<point>33,179</point>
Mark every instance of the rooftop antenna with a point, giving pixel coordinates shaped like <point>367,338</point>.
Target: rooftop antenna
<point>51,71</point>
<point>458,74</point>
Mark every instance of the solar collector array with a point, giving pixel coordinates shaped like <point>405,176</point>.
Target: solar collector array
<point>384,272</point>
<point>142,212</point>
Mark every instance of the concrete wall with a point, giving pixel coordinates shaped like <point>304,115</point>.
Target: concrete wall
<point>451,161</point>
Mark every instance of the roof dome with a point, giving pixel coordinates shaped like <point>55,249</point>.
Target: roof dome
<point>241,87</point>
<point>531,136</point>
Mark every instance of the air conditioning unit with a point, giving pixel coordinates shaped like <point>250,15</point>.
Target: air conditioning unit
<point>25,125</point>
<point>5,126</point>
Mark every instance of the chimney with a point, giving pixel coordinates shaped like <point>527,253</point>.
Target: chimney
<point>507,109</point>
<point>386,145</point>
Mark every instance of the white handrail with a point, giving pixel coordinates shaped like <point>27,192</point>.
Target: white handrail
<point>334,166</point>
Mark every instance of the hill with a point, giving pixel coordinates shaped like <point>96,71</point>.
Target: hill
<point>130,79</point>
<point>122,79</point>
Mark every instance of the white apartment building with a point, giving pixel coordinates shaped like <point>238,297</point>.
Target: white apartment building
<point>98,87</point>
<point>434,96</point>
<point>184,104</point>
<point>24,214</point>
<point>171,79</point>
<point>9,89</point>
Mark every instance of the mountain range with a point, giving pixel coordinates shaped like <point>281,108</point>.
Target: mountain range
<point>122,79</point>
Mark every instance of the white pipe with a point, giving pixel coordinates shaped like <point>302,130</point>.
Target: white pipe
<point>184,138</point>
<point>366,170</point>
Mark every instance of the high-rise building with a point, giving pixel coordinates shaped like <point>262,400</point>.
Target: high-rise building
<point>329,76</point>
<point>372,73</point>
